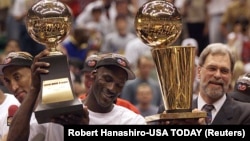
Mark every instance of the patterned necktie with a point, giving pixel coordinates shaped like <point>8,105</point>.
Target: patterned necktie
<point>208,108</point>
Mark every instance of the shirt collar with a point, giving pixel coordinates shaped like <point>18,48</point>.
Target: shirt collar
<point>217,105</point>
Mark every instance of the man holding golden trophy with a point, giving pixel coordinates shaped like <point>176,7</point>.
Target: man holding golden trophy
<point>159,24</point>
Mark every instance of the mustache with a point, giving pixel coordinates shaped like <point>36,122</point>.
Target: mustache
<point>218,82</point>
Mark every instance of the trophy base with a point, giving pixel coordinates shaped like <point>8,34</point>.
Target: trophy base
<point>171,116</point>
<point>45,112</point>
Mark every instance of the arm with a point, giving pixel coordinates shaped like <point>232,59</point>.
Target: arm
<point>20,126</point>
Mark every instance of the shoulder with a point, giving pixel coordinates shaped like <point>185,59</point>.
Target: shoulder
<point>11,99</point>
<point>129,117</point>
<point>240,104</point>
<point>236,110</point>
<point>127,104</point>
<point>236,106</point>
<point>9,95</point>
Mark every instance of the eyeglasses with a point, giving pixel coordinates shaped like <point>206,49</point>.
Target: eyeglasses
<point>213,69</point>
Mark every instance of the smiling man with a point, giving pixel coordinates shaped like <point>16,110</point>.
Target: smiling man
<point>110,75</point>
<point>215,72</point>
<point>16,73</point>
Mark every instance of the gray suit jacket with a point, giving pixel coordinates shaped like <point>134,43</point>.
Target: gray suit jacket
<point>232,112</point>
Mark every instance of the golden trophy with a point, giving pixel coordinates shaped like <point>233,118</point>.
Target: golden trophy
<point>159,24</point>
<point>49,22</point>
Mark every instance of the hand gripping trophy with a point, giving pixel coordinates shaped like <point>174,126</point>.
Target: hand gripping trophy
<point>159,24</point>
<point>49,22</point>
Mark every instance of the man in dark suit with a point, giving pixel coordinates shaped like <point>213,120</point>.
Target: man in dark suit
<point>215,72</point>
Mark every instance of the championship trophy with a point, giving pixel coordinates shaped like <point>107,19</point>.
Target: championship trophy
<point>159,24</point>
<point>49,22</point>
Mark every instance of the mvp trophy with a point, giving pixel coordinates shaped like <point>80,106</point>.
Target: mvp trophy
<point>159,24</point>
<point>49,22</point>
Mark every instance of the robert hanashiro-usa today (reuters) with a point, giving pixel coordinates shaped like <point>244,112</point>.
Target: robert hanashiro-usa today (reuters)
<point>136,132</point>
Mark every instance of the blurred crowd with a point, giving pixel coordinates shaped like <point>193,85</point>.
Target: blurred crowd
<point>103,26</point>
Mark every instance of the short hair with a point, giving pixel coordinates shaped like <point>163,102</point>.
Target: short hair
<point>216,48</point>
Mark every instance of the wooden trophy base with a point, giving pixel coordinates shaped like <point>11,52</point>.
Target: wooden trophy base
<point>171,116</point>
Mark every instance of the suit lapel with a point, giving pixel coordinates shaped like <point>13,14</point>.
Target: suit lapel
<point>225,114</point>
